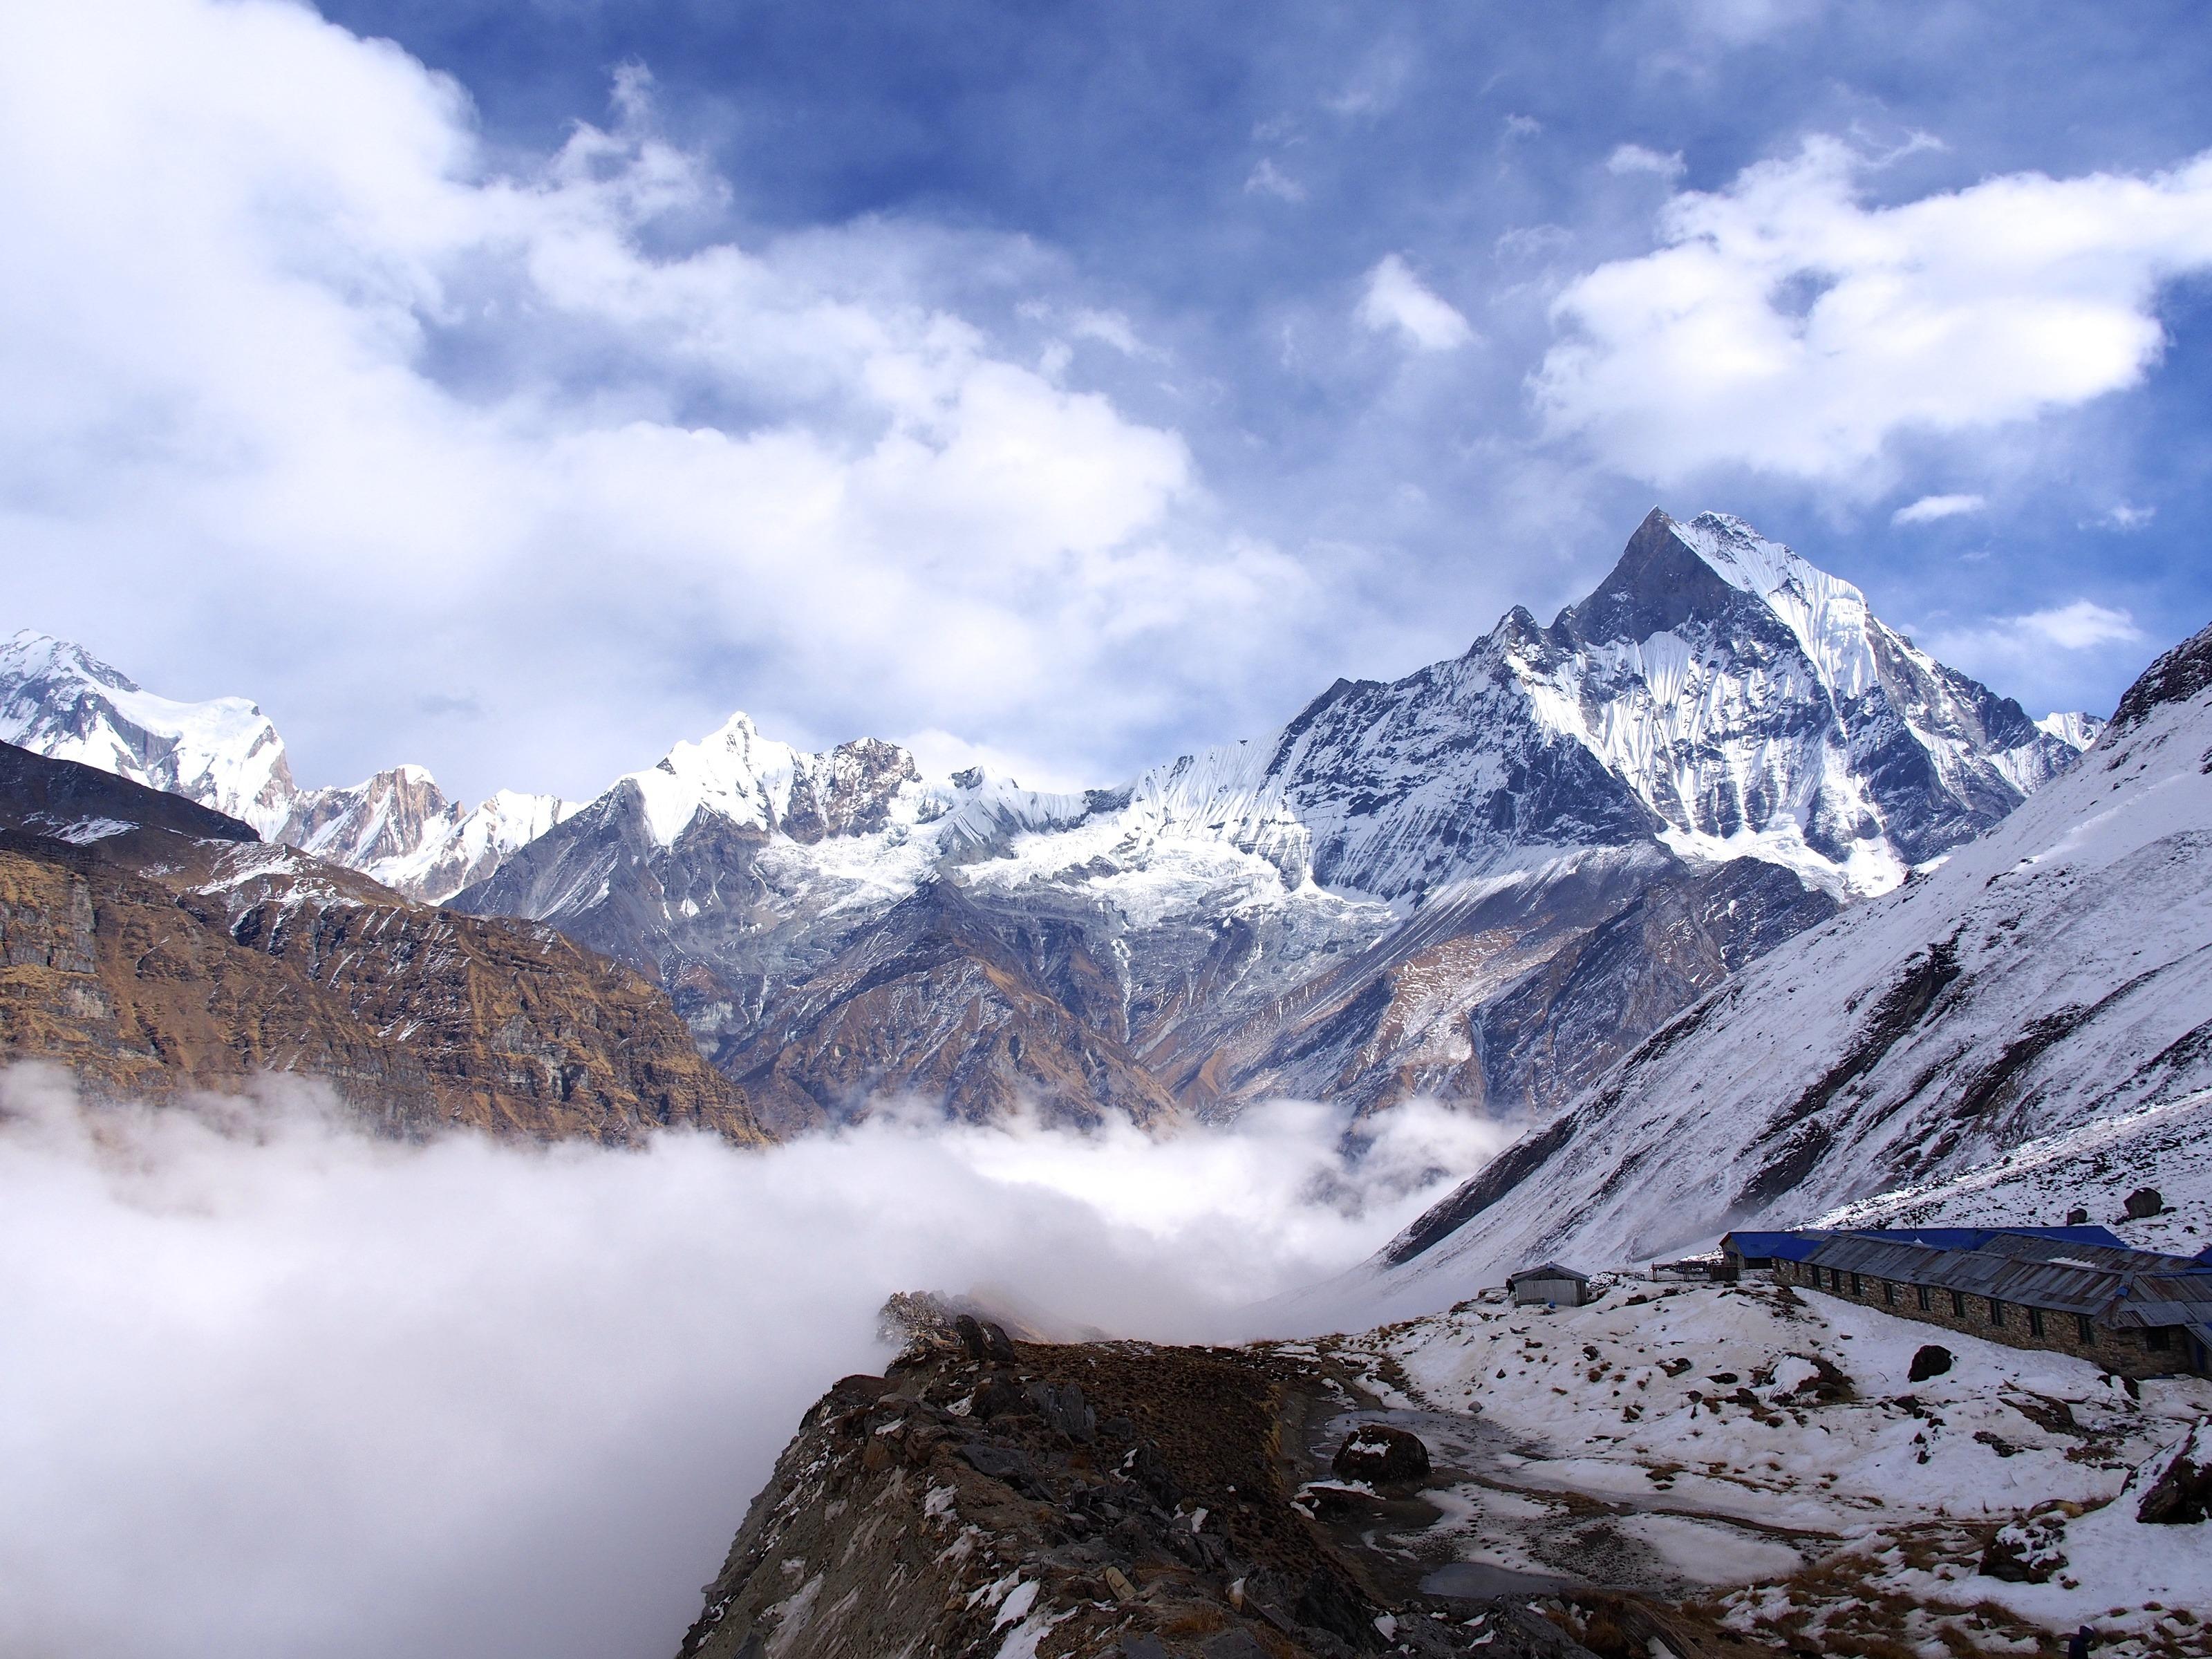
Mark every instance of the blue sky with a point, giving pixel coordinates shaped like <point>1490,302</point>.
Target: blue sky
<point>1068,386</point>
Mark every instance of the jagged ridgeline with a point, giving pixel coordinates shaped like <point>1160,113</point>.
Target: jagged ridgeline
<point>1486,882</point>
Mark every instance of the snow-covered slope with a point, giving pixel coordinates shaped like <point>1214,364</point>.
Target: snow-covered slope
<point>1779,1451</point>
<point>2046,993</point>
<point>58,700</point>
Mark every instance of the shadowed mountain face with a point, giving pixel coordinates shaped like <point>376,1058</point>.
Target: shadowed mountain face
<point>2022,1021</point>
<point>152,946</point>
<point>1485,881</point>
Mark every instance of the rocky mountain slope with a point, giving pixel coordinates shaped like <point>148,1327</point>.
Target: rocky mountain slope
<point>1486,881</point>
<point>58,700</point>
<point>2032,1015</point>
<point>152,946</point>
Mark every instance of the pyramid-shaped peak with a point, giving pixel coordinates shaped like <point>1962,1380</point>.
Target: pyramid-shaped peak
<point>1661,580</point>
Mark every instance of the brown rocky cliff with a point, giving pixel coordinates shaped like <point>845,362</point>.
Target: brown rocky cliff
<point>1111,1500</point>
<point>152,958</point>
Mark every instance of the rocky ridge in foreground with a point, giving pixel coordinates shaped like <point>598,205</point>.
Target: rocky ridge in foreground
<point>1708,1472</point>
<point>1028,1501</point>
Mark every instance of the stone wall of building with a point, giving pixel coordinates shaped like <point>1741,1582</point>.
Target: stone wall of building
<point>2124,1352</point>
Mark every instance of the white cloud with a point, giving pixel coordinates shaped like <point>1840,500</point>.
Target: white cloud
<point>1929,508</point>
<point>1268,179</point>
<point>1396,299</point>
<point>318,373</point>
<point>279,1389</point>
<point>2015,647</point>
<point>1635,158</point>
<point>1111,328</point>
<point>1521,127</point>
<point>2125,516</point>
<point>2078,626</point>
<point>1784,325</point>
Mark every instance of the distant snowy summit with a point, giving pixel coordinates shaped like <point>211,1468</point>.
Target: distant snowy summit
<point>58,700</point>
<point>1476,882</point>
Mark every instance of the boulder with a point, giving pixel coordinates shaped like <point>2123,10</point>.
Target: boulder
<point>2026,1551</point>
<point>1008,1463</point>
<point>1932,1360</point>
<point>2178,1483</point>
<point>2145,1202</point>
<point>1376,1452</point>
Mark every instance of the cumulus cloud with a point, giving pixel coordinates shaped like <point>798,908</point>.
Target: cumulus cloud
<point>541,434</point>
<point>276,1388</point>
<point>1396,301</point>
<point>1785,325</point>
<point>1929,508</point>
<point>1635,158</point>
<point>2019,648</point>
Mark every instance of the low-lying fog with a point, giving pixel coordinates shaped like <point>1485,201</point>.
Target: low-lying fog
<point>273,1387</point>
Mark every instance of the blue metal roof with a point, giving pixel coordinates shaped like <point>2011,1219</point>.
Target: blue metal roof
<point>1760,1246</point>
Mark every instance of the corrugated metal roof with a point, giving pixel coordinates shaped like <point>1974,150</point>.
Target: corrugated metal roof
<point>1547,1270</point>
<point>1974,1238</point>
<point>2120,1286</point>
<point>1763,1247</point>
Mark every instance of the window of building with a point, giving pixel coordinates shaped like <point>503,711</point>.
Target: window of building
<point>1920,1295</point>
<point>1996,1312</point>
<point>2156,1336</point>
<point>1958,1304</point>
<point>1889,1290</point>
<point>2084,1329</point>
<point>2035,1322</point>
<point>1858,1286</point>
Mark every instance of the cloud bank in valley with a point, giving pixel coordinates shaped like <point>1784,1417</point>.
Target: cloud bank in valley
<point>276,1387</point>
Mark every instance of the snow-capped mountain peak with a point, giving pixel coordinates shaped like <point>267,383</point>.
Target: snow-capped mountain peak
<point>58,699</point>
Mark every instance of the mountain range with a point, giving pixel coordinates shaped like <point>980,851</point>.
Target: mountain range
<point>2024,1030</point>
<point>1487,882</point>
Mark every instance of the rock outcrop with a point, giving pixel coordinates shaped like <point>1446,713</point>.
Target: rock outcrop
<point>987,1497</point>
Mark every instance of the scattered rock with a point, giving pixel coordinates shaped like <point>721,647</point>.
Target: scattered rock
<point>2027,1551</point>
<point>1376,1452</point>
<point>2145,1202</point>
<point>2077,1216</point>
<point>1933,1360</point>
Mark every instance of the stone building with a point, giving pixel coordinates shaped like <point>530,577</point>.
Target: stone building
<point>2134,1312</point>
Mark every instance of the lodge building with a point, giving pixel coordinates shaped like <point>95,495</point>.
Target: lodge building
<point>2077,1291</point>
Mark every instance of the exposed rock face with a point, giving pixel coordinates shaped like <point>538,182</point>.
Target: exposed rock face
<point>152,946</point>
<point>2039,1003</point>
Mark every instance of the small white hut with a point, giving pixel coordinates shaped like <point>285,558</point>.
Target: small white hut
<point>1548,1282</point>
